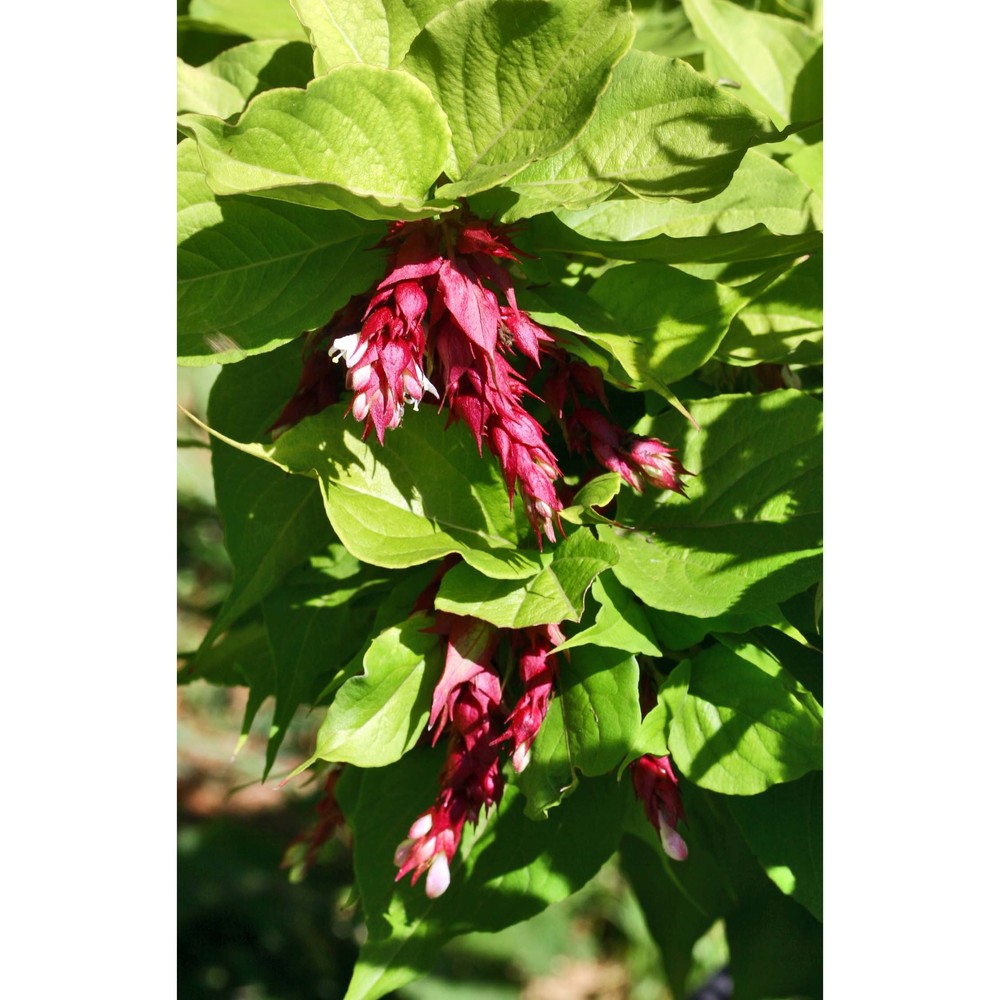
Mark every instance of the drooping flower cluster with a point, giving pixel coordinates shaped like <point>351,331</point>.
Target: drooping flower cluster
<point>633,457</point>
<point>438,310</point>
<point>468,707</point>
<point>655,785</point>
<point>467,701</point>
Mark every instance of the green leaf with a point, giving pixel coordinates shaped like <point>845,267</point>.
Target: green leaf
<point>241,658</point>
<point>316,621</point>
<point>666,32</point>
<point>674,922</point>
<point>660,130</point>
<point>749,536</point>
<point>508,867</point>
<point>273,522</point>
<point>808,164</point>
<point>784,828</point>
<point>652,735</point>
<point>424,494</point>
<point>376,32</point>
<point>783,324</point>
<point>379,715</point>
<point>775,949</point>
<point>550,775</point>
<point>670,323</point>
<point>762,53</point>
<point>680,632</point>
<point>745,724</point>
<point>517,80</point>
<point>546,234</point>
<point>253,274</point>
<point>253,18</point>
<point>620,622</point>
<point>345,32</point>
<point>600,693</point>
<point>553,595</point>
<point>362,138</point>
<point>591,725</point>
<point>596,492</point>
<point>762,192</point>
<point>223,86</point>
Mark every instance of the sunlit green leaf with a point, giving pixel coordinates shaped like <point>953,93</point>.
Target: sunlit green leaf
<point>517,80</point>
<point>379,715</point>
<point>660,130</point>
<point>765,55</point>
<point>783,324</point>
<point>591,725</point>
<point>361,138</point>
<point>620,622</point>
<point>552,595</point>
<point>762,192</point>
<point>223,86</point>
<point>749,536</point>
<point>254,274</point>
<point>253,18</point>
<point>744,724</point>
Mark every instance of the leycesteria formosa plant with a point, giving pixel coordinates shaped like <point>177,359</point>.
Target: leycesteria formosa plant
<point>516,444</point>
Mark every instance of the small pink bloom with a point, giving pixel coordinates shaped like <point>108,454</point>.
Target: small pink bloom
<point>655,786</point>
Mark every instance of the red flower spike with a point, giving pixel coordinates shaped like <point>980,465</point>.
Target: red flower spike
<point>634,458</point>
<point>655,785</point>
<point>471,777</point>
<point>537,667</point>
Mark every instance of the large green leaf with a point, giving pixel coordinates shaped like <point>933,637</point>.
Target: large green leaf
<point>377,32</point>
<point>253,18</point>
<point>784,828</point>
<point>749,536</point>
<point>379,715</point>
<point>424,494</point>
<point>273,522</point>
<point>745,723</point>
<point>362,138</point>
<point>619,624</point>
<point>674,921</point>
<point>591,725</point>
<point>253,274</point>
<point>517,80</point>
<point>316,621</point>
<point>552,595</point>
<point>775,949</point>
<point>660,129</point>
<point>783,324</point>
<point>670,322</point>
<point>762,192</point>
<point>223,86</point>
<point>546,234</point>
<point>765,55</point>
<point>680,632</point>
<point>508,868</point>
<point>345,31</point>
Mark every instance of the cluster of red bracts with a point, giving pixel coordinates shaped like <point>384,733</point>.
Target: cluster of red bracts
<point>468,706</point>
<point>444,306</point>
<point>447,309</point>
